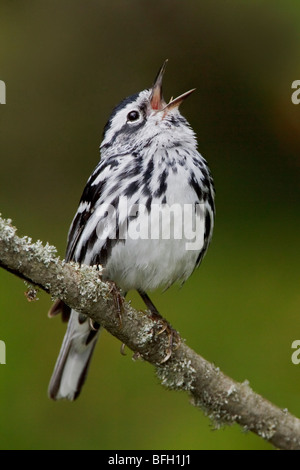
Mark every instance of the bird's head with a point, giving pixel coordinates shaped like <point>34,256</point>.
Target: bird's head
<point>144,116</point>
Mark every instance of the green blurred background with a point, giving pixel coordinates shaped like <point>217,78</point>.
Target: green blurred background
<point>65,65</point>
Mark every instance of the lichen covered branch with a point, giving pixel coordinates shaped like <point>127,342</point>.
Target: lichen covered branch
<point>221,398</point>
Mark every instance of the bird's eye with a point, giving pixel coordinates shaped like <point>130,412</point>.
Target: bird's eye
<point>133,116</point>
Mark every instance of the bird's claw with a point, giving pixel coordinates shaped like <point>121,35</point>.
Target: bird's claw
<point>94,326</point>
<point>172,334</point>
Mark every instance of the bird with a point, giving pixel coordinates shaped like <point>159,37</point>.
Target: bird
<point>146,215</point>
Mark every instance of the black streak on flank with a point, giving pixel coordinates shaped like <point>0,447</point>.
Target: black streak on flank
<point>207,230</point>
<point>91,241</point>
<point>146,178</point>
<point>207,226</point>
<point>148,204</point>
<point>91,193</point>
<point>132,188</point>
<point>195,185</point>
<point>149,170</point>
<point>102,257</point>
<point>162,188</point>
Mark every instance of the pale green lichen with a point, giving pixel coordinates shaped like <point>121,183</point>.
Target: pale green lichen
<point>266,429</point>
<point>45,254</point>
<point>7,231</point>
<point>42,253</point>
<point>216,406</point>
<point>177,375</point>
<point>91,287</point>
<point>215,409</point>
<point>145,334</point>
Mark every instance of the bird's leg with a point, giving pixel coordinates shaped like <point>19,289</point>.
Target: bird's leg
<point>156,316</point>
<point>148,302</point>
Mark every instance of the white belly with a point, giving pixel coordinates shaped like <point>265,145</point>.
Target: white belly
<point>161,247</point>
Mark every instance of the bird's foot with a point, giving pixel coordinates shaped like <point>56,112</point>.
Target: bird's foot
<point>174,339</point>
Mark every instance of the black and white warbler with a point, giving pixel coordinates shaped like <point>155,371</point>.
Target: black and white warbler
<point>146,215</point>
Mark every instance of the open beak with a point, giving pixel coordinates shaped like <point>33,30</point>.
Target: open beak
<point>156,99</point>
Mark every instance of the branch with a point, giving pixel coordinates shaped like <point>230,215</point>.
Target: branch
<point>221,398</point>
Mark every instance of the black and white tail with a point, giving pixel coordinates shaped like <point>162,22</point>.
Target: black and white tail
<point>74,358</point>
